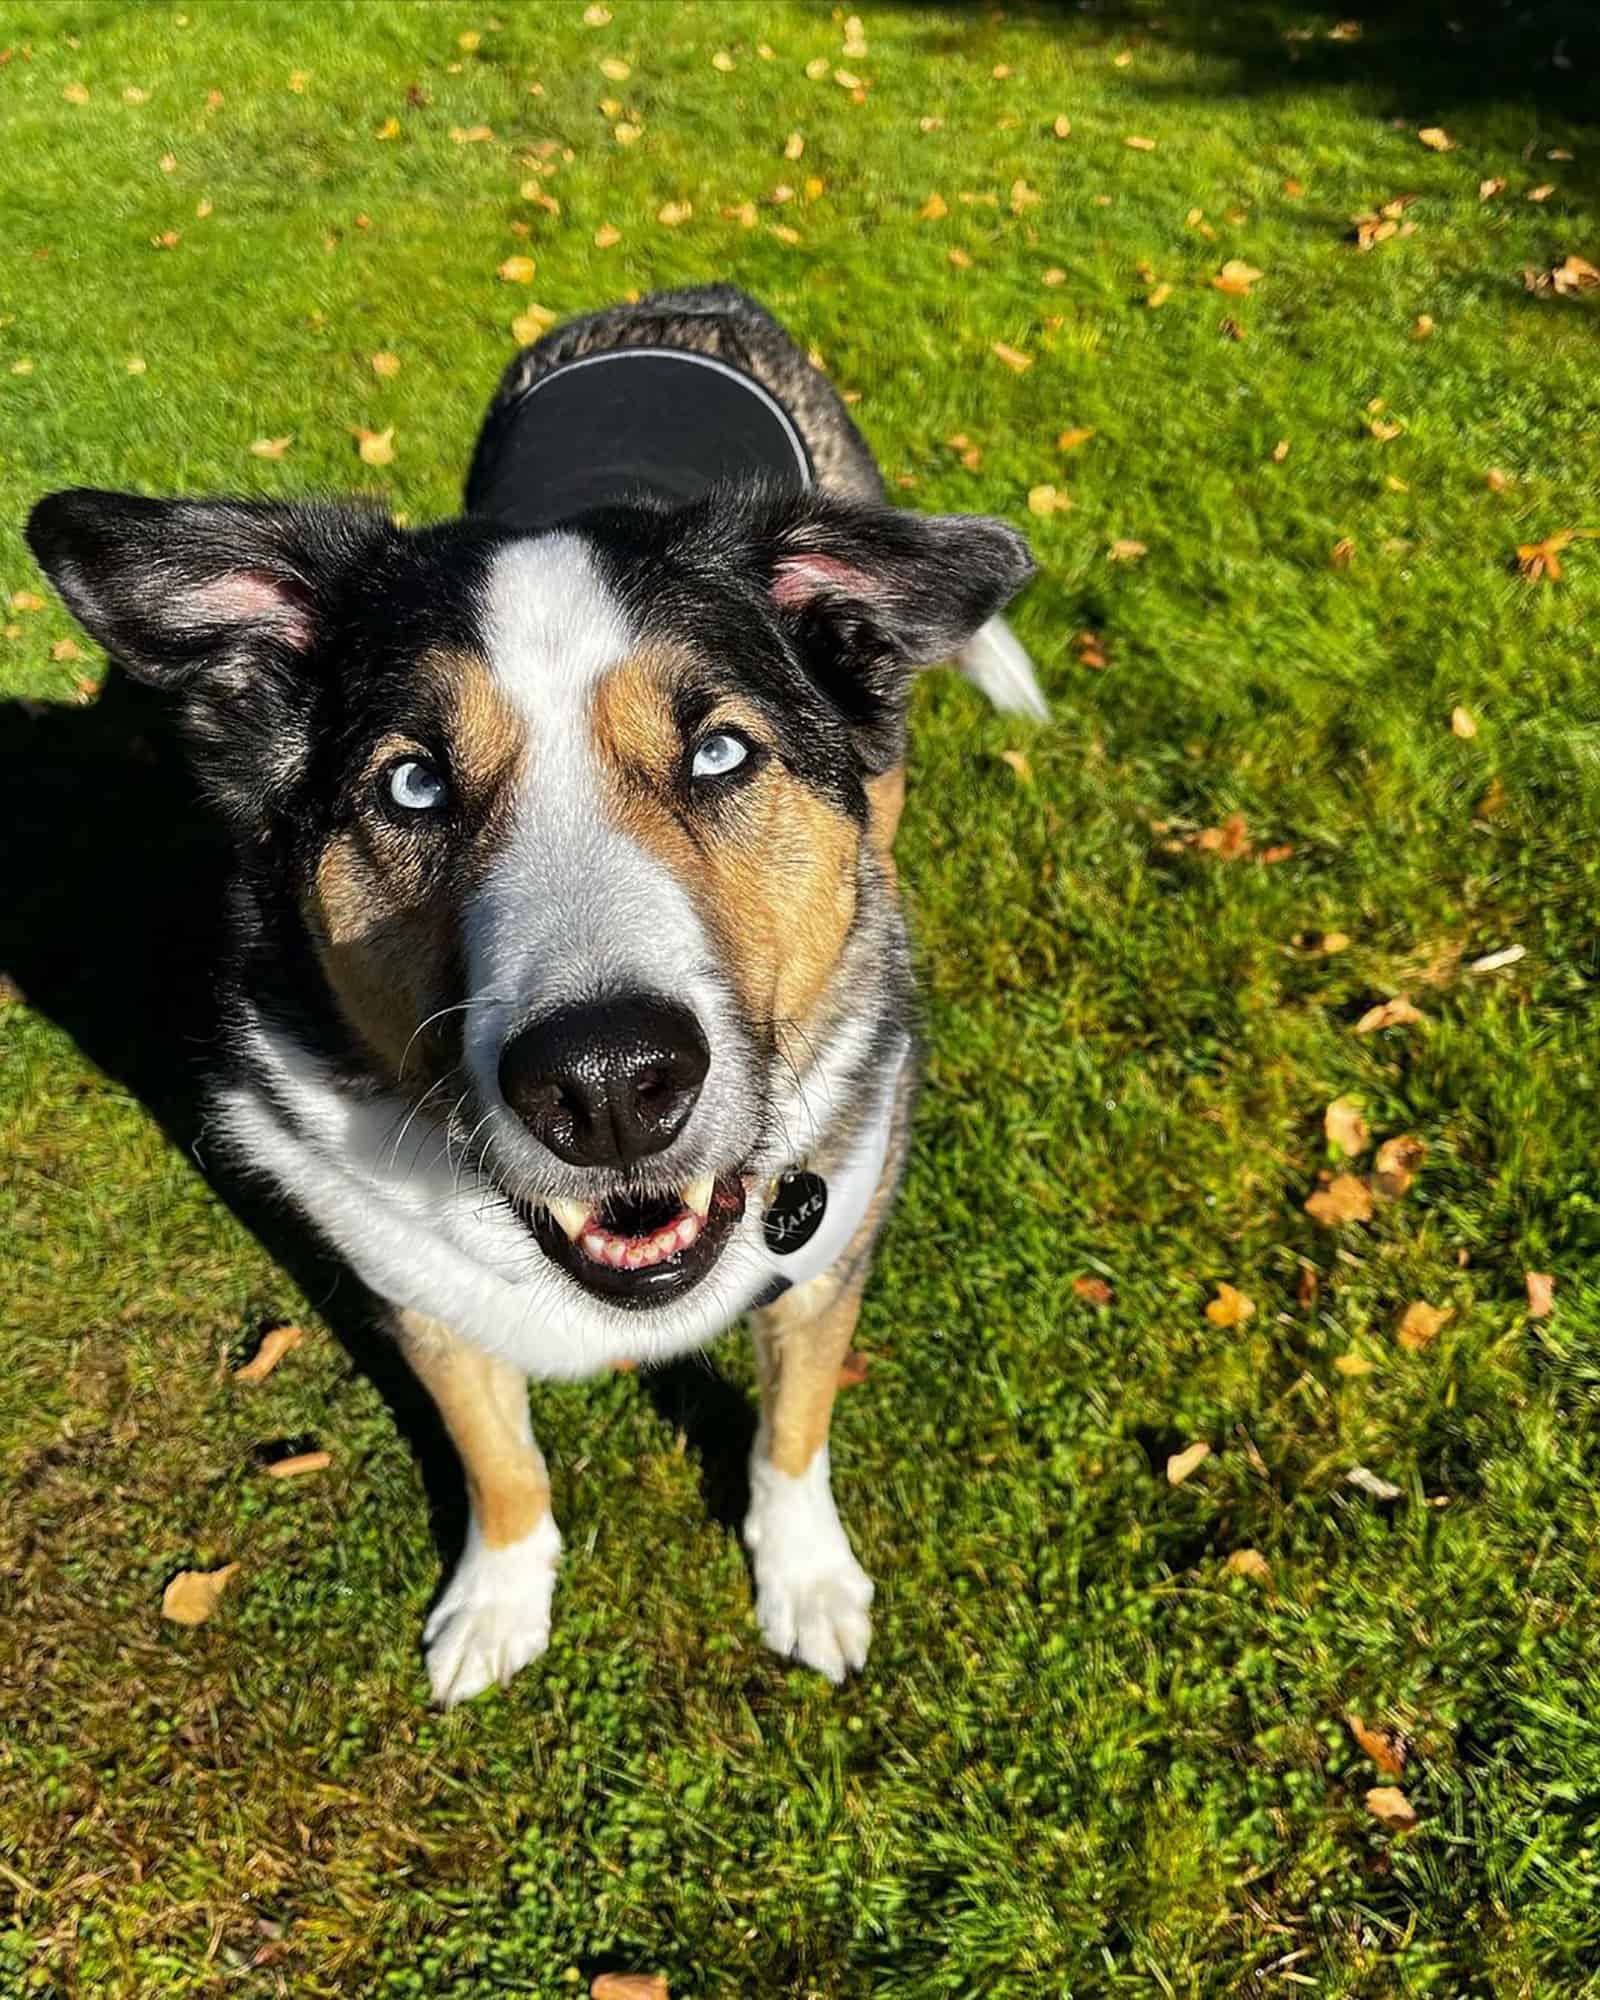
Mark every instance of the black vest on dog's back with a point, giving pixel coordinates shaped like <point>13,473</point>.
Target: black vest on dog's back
<point>631,423</point>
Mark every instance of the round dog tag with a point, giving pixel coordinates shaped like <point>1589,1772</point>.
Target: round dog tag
<point>796,1213</point>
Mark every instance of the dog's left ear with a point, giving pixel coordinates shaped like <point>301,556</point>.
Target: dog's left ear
<point>871,593</point>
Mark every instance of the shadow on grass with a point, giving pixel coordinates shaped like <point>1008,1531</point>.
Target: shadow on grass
<point>112,927</point>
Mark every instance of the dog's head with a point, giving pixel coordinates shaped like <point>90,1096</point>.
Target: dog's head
<point>580,825</point>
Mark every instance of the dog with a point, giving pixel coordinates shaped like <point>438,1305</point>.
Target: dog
<point>568,996</point>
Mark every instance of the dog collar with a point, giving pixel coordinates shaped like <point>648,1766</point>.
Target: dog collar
<point>810,1218</point>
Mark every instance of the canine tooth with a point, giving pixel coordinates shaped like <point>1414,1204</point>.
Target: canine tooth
<point>697,1195</point>
<point>572,1215</point>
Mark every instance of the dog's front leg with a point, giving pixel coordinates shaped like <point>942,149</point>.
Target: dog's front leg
<point>495,1615</point>
<point>812,1596</point>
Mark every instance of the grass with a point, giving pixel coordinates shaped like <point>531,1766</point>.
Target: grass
<point>1085,1758</point>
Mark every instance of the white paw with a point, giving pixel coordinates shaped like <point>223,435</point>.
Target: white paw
<point>495,1616</point>
<point>812,1596</point>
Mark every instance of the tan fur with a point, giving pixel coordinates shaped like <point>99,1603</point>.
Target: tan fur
<point>484,1404</point>
<point>385,946</point>
<point>774,883</point>
<point>800,1342</point>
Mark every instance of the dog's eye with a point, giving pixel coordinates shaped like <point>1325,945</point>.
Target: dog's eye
<point>415,786</point>
<point>717,755</point>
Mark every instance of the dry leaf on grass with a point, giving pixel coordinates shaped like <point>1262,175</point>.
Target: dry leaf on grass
<point>1566,280</point>
<point>26,600</point>
<point>1543,559</point>
<point>374,447</point>
<point>1541,1294</point>
<point>1497,961</point>
<point>1248,1562</point>
<point>1353,1364</point>
<point>1342,553</point>
<point>1345,1199</point>
<point>1436,139</point>
<point>1419,1324</point>
<point>1365,1480</point>
<point>1070,440</point>
<point>934,209</point>
<point>673,214</point>
<point>1542,193</point>
<point>1182,1463</point>
<point>1047,500</point>
<point>385,365</point>
<point>629,1986</point>
<point>853,1369</point>
<point>1390,1805</point>
<point>1013,357</point>
<point>1230,1307</point>
<point>1017,760</point>
<point>66,649</point>
<point>1090,651</point>
<point>1381,1745</point>
<point>1158,296</point>
<point>298,1464</point>
<point>527,326</point>
<point>1395,1013</point>
<point>274,1346</point>
<point>1062,126</point>
<point>1236,278</point>
<point>517,271</point>
<point>272,448</point>
<point>1462,723</point>
<point>1345,1127</point>
<point>1488,189</point>
<point>191,1596</point>
<point>1139,144</point>
<point>1123,550</point>
<point>1095,1291</point>
<point>1395,1166</point>
<point>607,236</point>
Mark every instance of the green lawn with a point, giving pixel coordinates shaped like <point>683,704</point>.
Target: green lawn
<point>1086,1757</point>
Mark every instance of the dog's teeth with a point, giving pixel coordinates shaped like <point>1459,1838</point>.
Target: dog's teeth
<point>697,1195</point>
<point>572,1215</point>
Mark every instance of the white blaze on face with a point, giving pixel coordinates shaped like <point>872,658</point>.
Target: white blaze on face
<point>573,909</point>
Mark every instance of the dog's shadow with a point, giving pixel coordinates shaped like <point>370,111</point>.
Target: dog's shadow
<point>111,925</point>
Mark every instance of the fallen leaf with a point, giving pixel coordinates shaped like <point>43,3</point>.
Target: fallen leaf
<point>596,16</point>
<point>1230,1307</point>
<point>1497,961</point>
<point>817,68</point>
<point>386,365</point>
<point>1093,1290</point>
<point>1342,552</point>
<point>1390,1805</point>
<point>1385,1749</point>
<point>1487,190</point>
<point>1331,942</point>
<point>1236,278</point>
<point>1574,274</point>
<point>527,326</point>
<point>274,1346</point>
<point>1436,139</point>
<point>374,447</point>
<point>607,236</point>
<point>1013,357</point>
<point>1344,1199</point>
<point>673,214</point>
<point>26,600</point>
<point>66,649</point>
<point>471,135</point>
<point>1229,842</point>
<point>1306,1287</point>
<point>1293,189</point>
<point>389,129</point>
<point>1070,440</point>
<point>1024,197</point>
<point>1462,724</point>
<point>1385,429</point>
<point>202,209</point>
<point>1054,276</point>
<point>853,1369</point>
<point>469,40</point>
<point>1345,1127</point>
<point>1018,761</point>
<point>1138,144</point>
<point>192,1595</point>
<point>1248,1562</point>
<point>628,1986</point>
<point>1541,193</point>
<point>169,239</point>
<point>1090,651</point>
<point>1395,1013</point>
<point>1280,451</point>
<point>794,145</point>
<point>517,271</point>
<point>934,209</point>
<point>624,133</point>
<point>959,258</point>
<point>1182,1463</point>
<point>1062,126</point>
<point>298,1464</point>
<point>1541,1294</point>
<point>1395,1165</point>
<point>1353,1364</point>
<point>615,68</point>
<point>1419,1324</point>
<point>1123,550</point>
<point>1158,296</point>
<point>847,79</point>
<point>76,93</point>
<point>1365,1480</point>
<point>1046,500</point>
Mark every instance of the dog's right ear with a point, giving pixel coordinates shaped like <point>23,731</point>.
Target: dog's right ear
<point>182,592</point>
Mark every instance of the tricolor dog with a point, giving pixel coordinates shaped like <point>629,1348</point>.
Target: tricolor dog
<point>569,994</point>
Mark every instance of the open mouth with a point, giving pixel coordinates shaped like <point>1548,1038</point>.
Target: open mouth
<point>640,1249</point>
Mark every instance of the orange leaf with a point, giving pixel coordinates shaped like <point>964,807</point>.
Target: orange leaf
<point>1013,357</point>
<point>274,1346</point>
<point>1419,1324</point>
<point>1395,1165</point>
<point>1395,1013</point>
<point>1182,1463</point>
<point>1541,1294</point>
<point>1345,1127</point>
<point>1344,1199</point>
<point>1230,1307</point>
<point>298,1464</point>
<point>1385,1749</point>
<point>1390,1805</point>
<point>1094,1290</point>
<point>192,1595</point>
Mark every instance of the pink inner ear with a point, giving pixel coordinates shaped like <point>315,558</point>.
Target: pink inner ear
<point>252,597</point>
<point>797,579</point>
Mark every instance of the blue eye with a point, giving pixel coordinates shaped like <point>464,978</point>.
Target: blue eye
<point>718,755</point>
<point>416,787</point>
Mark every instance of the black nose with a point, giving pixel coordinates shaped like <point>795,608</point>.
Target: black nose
<point>604,1085</point>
